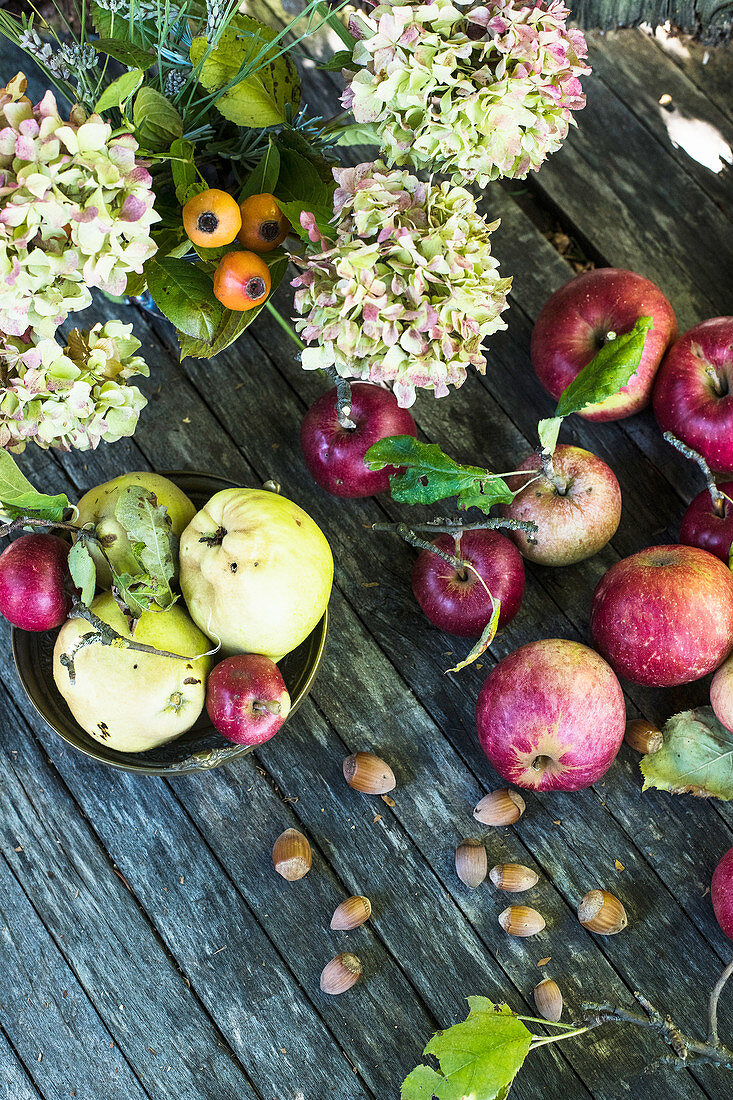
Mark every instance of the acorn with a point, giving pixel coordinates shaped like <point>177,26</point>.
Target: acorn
<point>603,913</point>
<point>365,772</point>
<point>471,862</point>
<point>340,974</point>
<point>351,913</point>
<point>548,998</point>
<point>520,920</point>
<point>643,736</point>
<point>291,855</point>
<point>502,807</point>
<point>513,877</point>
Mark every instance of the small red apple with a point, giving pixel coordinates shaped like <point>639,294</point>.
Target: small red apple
<point>247,699</point>
<point>693,394</point>
<point>721,694</point>
<point>572,525</point>
<point>35,587</point>
<point>574,324</point>
<point>721,892</point>
<point>551,716</point>
<point>335,455</point>
<point>455,600</point>
<point>664,616</point>
<point>710,527</point>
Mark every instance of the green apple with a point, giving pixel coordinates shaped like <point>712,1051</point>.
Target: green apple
<point>128,699</point>
<point>98,507</point>
<point>256,572</point>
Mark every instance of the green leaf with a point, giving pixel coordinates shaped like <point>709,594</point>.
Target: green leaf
<point>185,294</point>
<point>487,637</point>
<point>157,122</point>
<point>301,186</point>
<point>359,134</point>
<point>148,527</point>
<point>83,570</point>
<point>340,60</point>
<point>183,169</point>
<point>420,1084</point>
<point>548,431</point>
<point>17,493</point>
<point>322,214</point>
<point>431,475</point>
<point>482,1055</point>
<point>233,324</point>
<point>263,177</point>
<point>136,57</point>
<point>696,757</point>
<point>120,90</point>
<point>608,371</point>
<point>257,98</point>
<point>293,141</point>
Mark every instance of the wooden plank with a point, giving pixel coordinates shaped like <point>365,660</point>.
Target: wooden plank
<point>709,67</point>
<point>706,17</point>
<point>55,1031</point>
<point>140,996</point>
<point>16,1081</point>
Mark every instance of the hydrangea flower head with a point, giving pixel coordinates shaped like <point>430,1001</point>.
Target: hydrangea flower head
<point>477,92</point>
<point>73,396</point>
<point>75,212</point>
<point>407,290</point>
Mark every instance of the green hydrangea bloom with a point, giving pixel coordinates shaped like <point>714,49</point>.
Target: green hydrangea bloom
<point>75,212</point>
<point>408,289</point>
<point>73,396</point>
<point>477,92</point>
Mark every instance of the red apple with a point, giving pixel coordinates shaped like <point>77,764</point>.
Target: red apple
<point>551,716</point>
<point>35,587</point>
<point>721,694</point>
<point>693,394</point>
<point>704,526</point>
<point>247,699</point>
<point>574,324</point>
<point>721,892</point>
<point>572,525</point>
<point>335,455</point>
<point>664,616</point>
<point>456,600</point>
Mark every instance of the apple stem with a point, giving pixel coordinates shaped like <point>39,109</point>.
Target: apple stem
<point>548,469</point>
<point>714,377</point>
<point>270,707</point>
<point>343,398</point>
<point>713,1005</point>
<point>717,497</point>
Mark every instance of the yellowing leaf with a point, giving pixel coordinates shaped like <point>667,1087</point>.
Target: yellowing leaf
<point>696,757</point>
<point>487,637</point>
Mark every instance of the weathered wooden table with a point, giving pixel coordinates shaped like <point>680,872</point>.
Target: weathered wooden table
<point>147,947</point>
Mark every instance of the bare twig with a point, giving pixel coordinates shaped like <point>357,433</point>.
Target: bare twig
<point>447,526</point>
<point>409,535</point>
<point>713,1004</point>
<point>33,521</point>
<point>717,497</point>
<point>548,469</point>
<point>343,398</point>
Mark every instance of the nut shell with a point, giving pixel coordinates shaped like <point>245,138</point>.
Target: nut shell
<point>602,913</point>
<point>502,807</point>
<point>351,913</point>
<point>369,774</point>
<point>513,877</point>
<point>643,736</point>
<point>548,999</point>
<point>291,855</point>
<point>471,862</point>
<point>340,974</point>
<point>520,920</point>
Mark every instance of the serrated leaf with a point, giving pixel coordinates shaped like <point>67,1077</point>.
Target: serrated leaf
<point>430,475</point>
<point>322,214</point>
<point>258,98</point>
<point>695,758</point>
<point>608,371</point>
<point>359,134</point>
<point>136,57</point>
<point>148,527</point>
<point>232,323</point>
<point>420,1084</point>
<point>262,179</point>
<point>83,570</point>
<point>18,494</point>
<point>481,1056</point>
<point>487,637</point>
<point>340,60</point>
<point>185,294</point>
<point>157,122</point>
<point>301,186</point>
<point>120,90</point>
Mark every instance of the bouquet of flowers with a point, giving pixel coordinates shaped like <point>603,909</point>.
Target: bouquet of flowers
<point>185,161</point>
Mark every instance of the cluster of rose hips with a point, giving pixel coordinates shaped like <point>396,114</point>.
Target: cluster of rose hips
<point>213,219</point>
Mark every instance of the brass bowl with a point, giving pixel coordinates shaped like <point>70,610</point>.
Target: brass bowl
<point>201,747</point>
